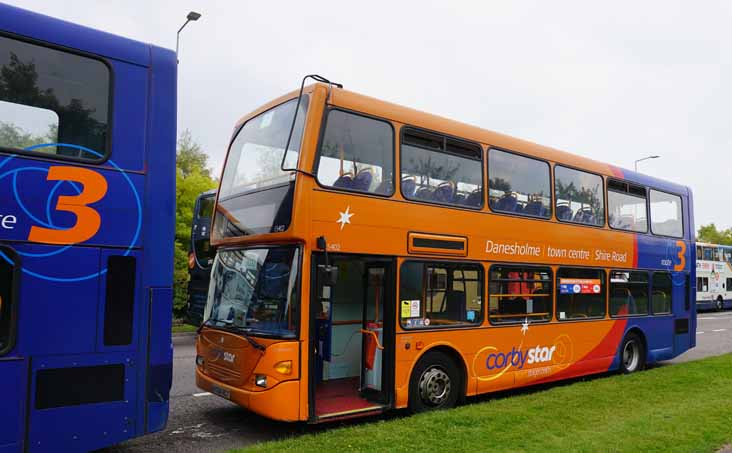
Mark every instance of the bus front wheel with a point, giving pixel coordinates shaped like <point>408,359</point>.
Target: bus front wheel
<point>720,303</point>
<point>632,354</point>
<point>435,383</point>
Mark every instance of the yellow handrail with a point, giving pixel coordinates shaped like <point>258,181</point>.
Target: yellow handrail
<point>376,337</point>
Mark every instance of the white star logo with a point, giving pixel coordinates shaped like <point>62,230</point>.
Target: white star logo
<point>525,326</point>
<point>345,217</point>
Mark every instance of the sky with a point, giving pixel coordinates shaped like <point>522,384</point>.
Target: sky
<point>612,81</point>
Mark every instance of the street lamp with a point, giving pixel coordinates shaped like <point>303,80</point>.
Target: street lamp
<point>192,16</point>
<point>645,158</point>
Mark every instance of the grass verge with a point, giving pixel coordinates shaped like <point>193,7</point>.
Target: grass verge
<point>686,407</point>
<point>180,328</point>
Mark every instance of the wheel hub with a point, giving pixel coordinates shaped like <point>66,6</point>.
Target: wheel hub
<point>631,356</point>
<point>434,386</point>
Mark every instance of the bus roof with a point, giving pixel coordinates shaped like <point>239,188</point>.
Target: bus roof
<point>26,23</point>
<point>709,244</point>
<point>358,102</point>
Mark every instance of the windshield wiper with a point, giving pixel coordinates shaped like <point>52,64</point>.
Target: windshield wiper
<point>238,330</point>
<point>252,341</point>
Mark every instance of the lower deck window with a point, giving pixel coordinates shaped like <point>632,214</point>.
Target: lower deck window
<point>7,285</point>
<point>580,293</point>
<point>628,293</point>
<point>519,294</point>
<point>440,294</point>
<point>662,293</point>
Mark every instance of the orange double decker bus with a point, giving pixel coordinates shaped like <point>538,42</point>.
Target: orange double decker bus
<point>371,257</point>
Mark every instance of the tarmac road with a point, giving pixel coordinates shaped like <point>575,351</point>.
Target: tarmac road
<point>201,422</point>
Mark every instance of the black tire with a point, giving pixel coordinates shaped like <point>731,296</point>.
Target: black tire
<point>720,303</point>
<point>632,354</point>
<point>436,383</point>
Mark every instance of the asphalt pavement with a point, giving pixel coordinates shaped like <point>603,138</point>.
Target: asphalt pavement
<point>201,422</point>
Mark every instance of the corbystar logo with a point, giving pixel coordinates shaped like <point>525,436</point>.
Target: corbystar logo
<point>519,358</point>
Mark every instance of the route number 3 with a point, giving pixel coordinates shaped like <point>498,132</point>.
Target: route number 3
<point>88,219</point>
<point>681,255</point>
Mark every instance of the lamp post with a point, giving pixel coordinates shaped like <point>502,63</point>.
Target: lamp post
<point>645,158</point>
<point>192,16</point>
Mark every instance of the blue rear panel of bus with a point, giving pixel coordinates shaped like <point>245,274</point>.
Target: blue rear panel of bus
<point>89,361</point>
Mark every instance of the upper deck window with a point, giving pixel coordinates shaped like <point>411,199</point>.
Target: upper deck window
<point>441,169</point>
<point>256,153</point>
<point>49,96</point>
<point>627,206</point>
<point>666,217</point>
<point>580,196</point>
<point>518,184</point>
<point>357,153</point>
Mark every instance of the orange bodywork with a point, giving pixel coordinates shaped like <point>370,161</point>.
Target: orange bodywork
<point>381,226</point>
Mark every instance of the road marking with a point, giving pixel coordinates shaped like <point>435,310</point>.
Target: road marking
<point>202,394</point>
<point>699,333</point>
<point>719,330</point>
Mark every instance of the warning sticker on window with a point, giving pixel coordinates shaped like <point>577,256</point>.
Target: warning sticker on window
<point>406,308</point>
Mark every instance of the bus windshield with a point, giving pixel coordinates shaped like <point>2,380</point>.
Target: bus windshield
<point>255,290</point>
<point>256,153</point>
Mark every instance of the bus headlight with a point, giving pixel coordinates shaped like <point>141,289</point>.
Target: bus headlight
<point>199,360</point>
<point>260,380</point>
<point>284,367</point>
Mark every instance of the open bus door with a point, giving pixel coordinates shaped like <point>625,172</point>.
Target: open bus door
<point>352,325</point>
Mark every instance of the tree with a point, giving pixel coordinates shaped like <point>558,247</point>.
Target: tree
<point>709,233</point>
<point>193,177</point>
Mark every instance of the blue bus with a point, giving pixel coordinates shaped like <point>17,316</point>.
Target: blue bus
<point>87,219</point>
<point>200,256</point>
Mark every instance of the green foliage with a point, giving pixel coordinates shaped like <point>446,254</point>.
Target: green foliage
<point>670,408</point>
<point>709,233</point>
<point>13,136</point>
<point>192,178</point>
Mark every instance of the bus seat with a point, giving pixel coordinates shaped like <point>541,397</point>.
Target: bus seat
<point>424,193</point>
<point>409,187</point>
<point>564,212</point>
<point>508,203</point>
<point>344,181</point>
<point>445,192</point>
<point>456,308</point>
<point>620,302</point>
<point>535,208</point>
<point>459,199</point>
<point>475,198</point>
<point>364,179</point>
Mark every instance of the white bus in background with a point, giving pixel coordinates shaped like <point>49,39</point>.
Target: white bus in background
<point>713,276</point>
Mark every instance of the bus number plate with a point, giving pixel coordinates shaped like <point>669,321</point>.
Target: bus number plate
<point>222,392</point>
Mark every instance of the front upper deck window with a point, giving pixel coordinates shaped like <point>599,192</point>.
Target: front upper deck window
<point>256,153</point>
<point>356,154</point>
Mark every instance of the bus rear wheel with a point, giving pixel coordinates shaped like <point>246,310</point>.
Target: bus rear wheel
<point>720,303</point>
<point>435,383</point>
<point>632,354</point>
